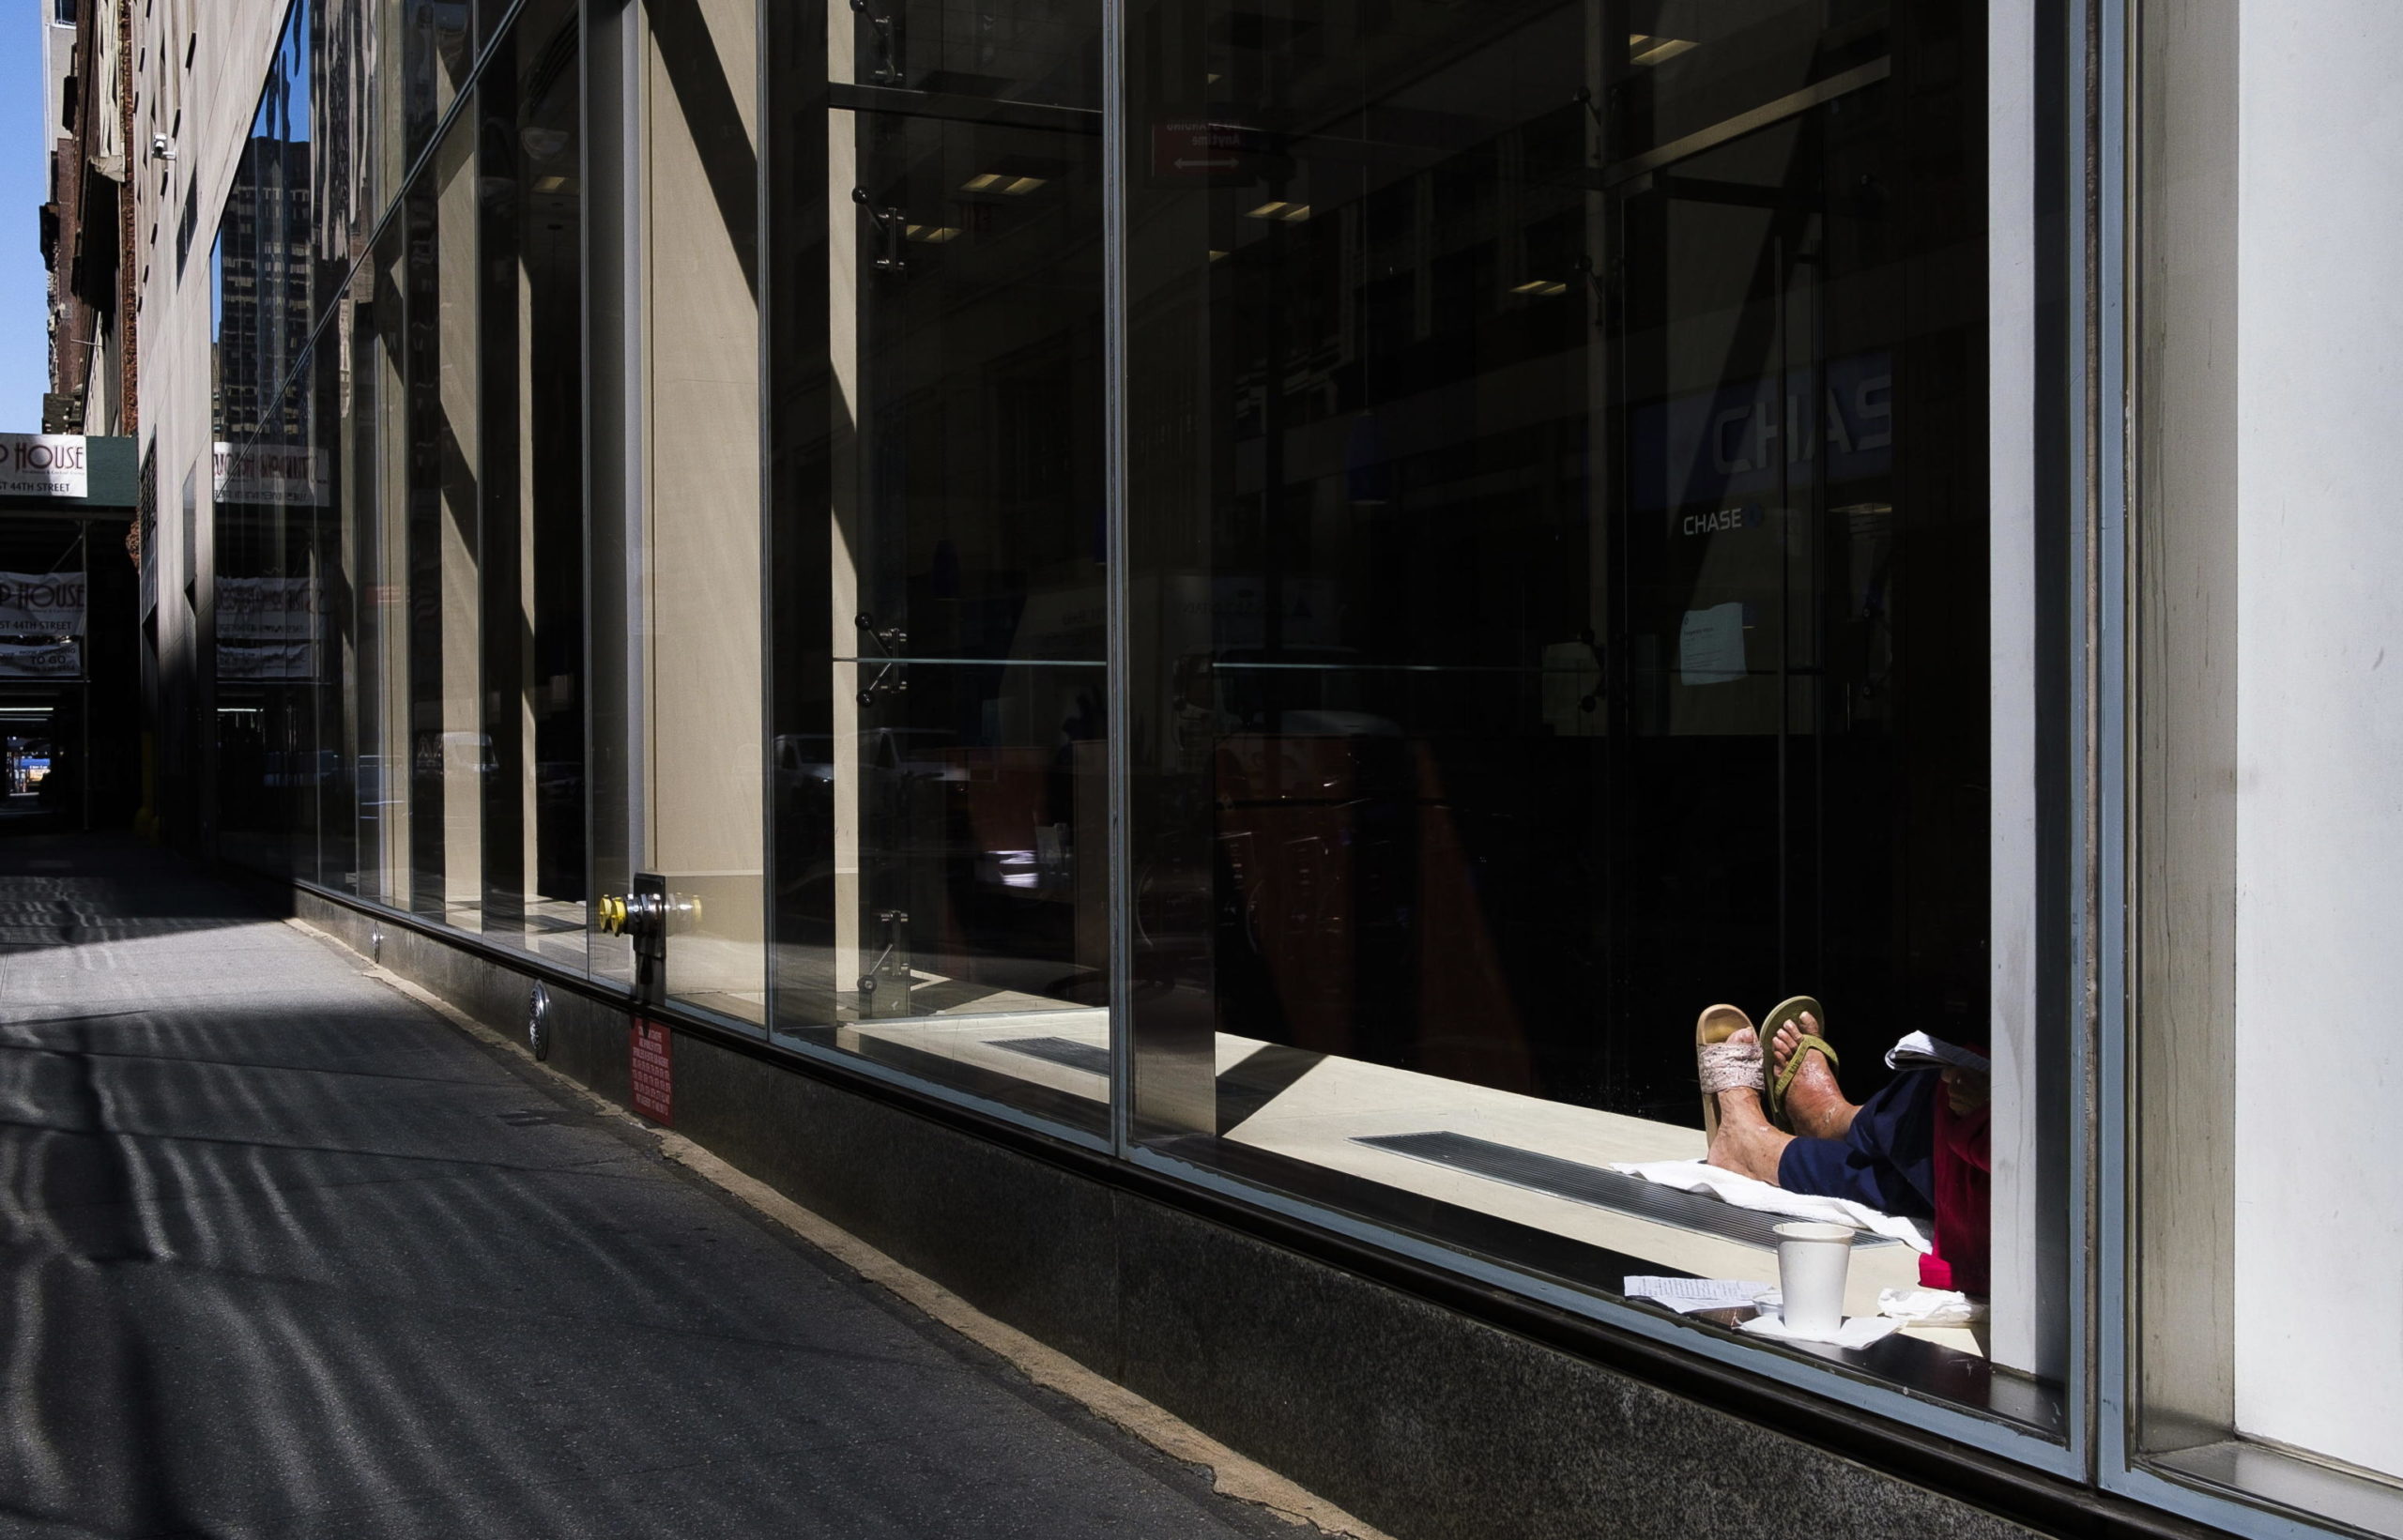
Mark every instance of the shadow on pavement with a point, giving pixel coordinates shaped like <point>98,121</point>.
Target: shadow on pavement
<point>284,1254</point>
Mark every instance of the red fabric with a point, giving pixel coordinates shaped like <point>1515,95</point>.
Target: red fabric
<point>1964,1254</point>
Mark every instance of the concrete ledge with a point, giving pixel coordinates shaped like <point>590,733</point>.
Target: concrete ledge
<point>1425,1422</point>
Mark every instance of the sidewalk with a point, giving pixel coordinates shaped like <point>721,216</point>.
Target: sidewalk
<point>288,1255</point>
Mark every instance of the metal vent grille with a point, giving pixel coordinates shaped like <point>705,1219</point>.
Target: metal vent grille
<point>1593,1185</point>
<point>1089,1057</point>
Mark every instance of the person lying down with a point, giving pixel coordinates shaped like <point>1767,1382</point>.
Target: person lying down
<point>1918,1149</point>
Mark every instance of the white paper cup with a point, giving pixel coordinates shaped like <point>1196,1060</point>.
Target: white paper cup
<point>1812,1261</point>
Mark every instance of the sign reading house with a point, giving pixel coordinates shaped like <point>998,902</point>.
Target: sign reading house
<point>41,603</point>
<point>43,465</point>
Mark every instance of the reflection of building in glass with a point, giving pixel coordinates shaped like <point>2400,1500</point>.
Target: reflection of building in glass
<point>262,268</point>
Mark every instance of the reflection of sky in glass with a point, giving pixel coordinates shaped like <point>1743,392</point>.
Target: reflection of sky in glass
<point>283,105</point>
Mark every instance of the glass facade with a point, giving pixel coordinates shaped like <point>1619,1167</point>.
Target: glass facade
<point>1289,593</point>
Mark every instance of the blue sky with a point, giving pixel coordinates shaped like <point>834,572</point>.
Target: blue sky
<point>24,346</point>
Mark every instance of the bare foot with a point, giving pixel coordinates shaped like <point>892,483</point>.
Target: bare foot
<point>1746,1143</point>
<point>1814,1103</point>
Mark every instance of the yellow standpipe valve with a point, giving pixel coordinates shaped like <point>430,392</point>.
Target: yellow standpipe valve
<point>613,915</point>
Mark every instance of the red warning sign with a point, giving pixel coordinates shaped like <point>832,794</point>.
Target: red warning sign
<point>652,1062</point>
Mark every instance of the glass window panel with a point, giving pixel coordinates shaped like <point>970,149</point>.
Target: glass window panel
<point>701,819</point>
<point>435,54</point>
<point>1558,586</point>
<point>941,763</point>
<point>266,591</point>
<point>378,441</point>
<point>533,485</point>
<point>343,171</point>
<point>334,468</point>
<point>400,81</point>
<point>450,754</point>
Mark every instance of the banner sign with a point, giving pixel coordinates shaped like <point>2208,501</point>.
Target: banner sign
<point>41,603</point>
<point>267,661</point>
<point>282,477</point>
<point>42,660</point>
<point>43,465</point>
<point>267,609</point>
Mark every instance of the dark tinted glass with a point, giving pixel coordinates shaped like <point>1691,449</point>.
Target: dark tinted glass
<point>1022,50</point>
<point>1557,572</point>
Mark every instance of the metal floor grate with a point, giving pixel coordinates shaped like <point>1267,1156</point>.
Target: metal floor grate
<point>1594,1185</point>
<point>1091,1056</point>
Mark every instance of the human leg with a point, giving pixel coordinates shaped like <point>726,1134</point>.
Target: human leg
<point>1814,1103</point>
<point>1885,1158</point>
<point>1744,1141</point>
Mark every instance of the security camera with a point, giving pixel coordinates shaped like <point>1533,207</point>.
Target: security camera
<point>161,148</point>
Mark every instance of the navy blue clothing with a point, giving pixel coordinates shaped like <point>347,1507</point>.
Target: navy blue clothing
<point>1887,1160</point>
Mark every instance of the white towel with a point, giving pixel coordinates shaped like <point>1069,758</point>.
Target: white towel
<point>1694,1176</point>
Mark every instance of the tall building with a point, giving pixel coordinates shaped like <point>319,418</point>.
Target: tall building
<point>59,158</point>
<point>86,222</point>
<point>1162,654</point>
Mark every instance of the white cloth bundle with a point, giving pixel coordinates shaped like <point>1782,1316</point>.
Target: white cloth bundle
<point>1694,1176</point>
<point>1929,1306</point>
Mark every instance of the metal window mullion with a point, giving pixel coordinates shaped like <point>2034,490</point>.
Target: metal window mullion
<point>2106,1144</point>
<point>765,301</point>
<point>634,230</point>
<point>1118,573</point>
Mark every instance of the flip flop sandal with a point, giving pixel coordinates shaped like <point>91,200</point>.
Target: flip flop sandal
<point>1725,1069</point>
<point>1781,1081</point>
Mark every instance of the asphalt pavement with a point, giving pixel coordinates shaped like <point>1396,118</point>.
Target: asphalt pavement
<point>284,1253</point>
